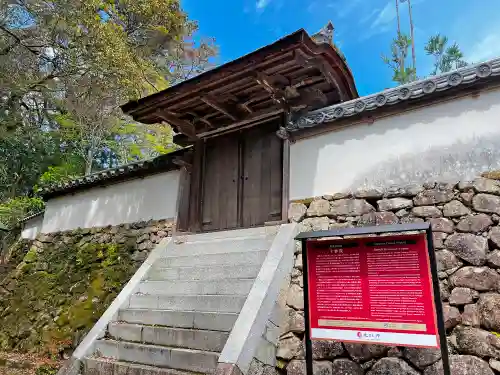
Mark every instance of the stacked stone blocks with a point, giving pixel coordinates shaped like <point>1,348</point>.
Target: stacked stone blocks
<point>465,220</point>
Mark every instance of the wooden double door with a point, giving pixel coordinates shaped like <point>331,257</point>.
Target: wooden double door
<point>236,180</point>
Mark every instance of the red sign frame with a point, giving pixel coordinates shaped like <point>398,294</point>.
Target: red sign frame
<point>372,290</point>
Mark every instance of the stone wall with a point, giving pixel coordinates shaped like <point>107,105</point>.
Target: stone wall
<point>66,280</point>
<point>465,221</point>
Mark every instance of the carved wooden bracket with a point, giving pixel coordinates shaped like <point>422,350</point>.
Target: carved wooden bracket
<point>326,70</point>
<point>184,127</point>
<point>230,111</point>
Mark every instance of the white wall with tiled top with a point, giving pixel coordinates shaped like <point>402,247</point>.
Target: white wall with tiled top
<point>149,198</point>
<point>449,141</point>
<point>31,227</point>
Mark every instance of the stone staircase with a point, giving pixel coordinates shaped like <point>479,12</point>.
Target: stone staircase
<point>180,317</point>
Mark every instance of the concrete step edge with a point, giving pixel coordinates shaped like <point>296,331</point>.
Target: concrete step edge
<point>220,239</point>
<point>190,338</point>
<point>254,258</point>
<point>195,302</point>
<point>189,295</point>
<point>185,268</point>
<point>203,273</point>
<point>182,319</point>
<point>230,253</point>
<point>166,327</point>
<point>180,282</point>
<point>177,311</point>
<point>260,231</point>
<point>234,287</point>
<point>157,355</point>
<point>153,346</point>
<point>196,281</point>
<point>153,369</point>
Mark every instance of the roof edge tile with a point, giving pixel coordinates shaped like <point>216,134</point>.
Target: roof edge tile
<point>425,87</point>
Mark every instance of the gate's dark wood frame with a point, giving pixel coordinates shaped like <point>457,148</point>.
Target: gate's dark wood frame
<point>194,178</point>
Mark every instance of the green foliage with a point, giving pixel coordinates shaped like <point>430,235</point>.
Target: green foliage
<point>56,295</point>
<point>397,61</point>
<point>25,155</point>
<point>133,141</point>
<point>12,210</point>
<point>446,57</point>
<point>17,251</point>
<point>67,65</point>
<point>70,169</point>
<point>46,370</point>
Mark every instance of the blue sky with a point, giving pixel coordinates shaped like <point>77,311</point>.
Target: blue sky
<point>364,28</point>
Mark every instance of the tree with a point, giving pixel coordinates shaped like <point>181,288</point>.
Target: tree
<point>67,65</point>
<point>25,155</point>
<point>12,210</point>
<point>412,36</point>
<point>397,60</point>
<point>63,52</point>
<point>446,57</point>
<point>133,141</point>
<point>401,64</point>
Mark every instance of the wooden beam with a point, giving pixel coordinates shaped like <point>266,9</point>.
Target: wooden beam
<point>272,83</point>
<point>257,117</point>
<point>183,163</point>
<point>285,196</point>
<point>197,118</point>
<point>332,77</point>
<point>229,111</point>
<point>302,59</point>
<point>314,97</point>
<point>306,81</point>
<point>268,84</point>
<point>280,88</point>
<point>326,70</point>
<point>183,126</point>
<point>246,106</point>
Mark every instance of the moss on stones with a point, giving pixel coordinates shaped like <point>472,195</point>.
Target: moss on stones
<point>64,283</point>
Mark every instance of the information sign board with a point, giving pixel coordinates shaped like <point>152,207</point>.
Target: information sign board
<point>372,290</point>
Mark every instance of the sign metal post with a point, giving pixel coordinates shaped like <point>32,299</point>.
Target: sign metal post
<point>361,234</point>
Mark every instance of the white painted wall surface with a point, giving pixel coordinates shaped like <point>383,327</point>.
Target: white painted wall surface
<point>32,227</point>
<point>451,141</point>
<point>153,197</point>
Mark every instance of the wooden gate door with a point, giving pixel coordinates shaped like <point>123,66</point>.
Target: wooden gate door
<point>236,181</point>
<point>262,163</point>
<point>220,183</point>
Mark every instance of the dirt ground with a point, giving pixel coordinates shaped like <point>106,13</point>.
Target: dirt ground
<point>13,363</point>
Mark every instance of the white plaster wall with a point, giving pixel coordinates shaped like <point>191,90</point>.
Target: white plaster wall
<point>32,227</point>
<point>451,141</point>
<point>153,197</point>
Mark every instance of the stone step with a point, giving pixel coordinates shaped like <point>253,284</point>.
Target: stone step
<point>222,246</point>
<point>219,287</point>
<point>234,234</point>
<point>252,258</point>
<point>212,341</point>
<point>208,303</point>
<point>214,272</point>
<point>160,356</point>
<point>180,319</point>
<point>93,366</point>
